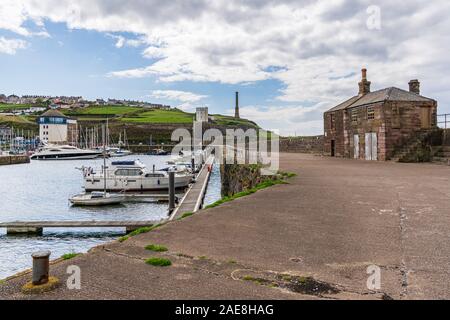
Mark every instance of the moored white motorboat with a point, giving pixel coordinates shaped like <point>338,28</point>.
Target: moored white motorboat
<point>65,152</point>
<point>132,176</point>
<point>97,199</point>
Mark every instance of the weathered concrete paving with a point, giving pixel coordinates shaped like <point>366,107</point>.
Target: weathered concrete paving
<point>331,222</point>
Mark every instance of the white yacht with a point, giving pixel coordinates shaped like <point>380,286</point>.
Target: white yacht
<point>97,199</point>
<point>65,152</point>
<point>132,176</point>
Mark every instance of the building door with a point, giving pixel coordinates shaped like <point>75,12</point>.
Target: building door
<point>371,146</point>
<point>333,148</point>
<point>356,146</point>
<point>425,117</point>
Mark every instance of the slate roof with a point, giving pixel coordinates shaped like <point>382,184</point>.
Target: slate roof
<point>388,94</point>
<point>53,113</point>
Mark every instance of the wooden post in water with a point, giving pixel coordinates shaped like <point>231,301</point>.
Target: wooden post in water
<point>171,191</point>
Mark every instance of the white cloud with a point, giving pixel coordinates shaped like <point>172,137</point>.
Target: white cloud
<point>314,48</point>
<point>10,46</point>
<point>121,41</point>
<point>289,120</point>
<point>175,95</point>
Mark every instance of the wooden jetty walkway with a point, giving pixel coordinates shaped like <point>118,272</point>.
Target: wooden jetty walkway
<point>193,199</point>
<point>191,202</point>
<point>36,227</point>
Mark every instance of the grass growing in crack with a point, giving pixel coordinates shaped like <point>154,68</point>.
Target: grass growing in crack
<point>158,262</point>
<point>260,281</point>
<point>2,282</point>
<point>231,261</point>
<point>140,231</point>
<point>203,258</point>
<point>156,248</point>
<point>185,215</point>
<point>69,256</point>
<point>287,175</point>
<point>260,186</point>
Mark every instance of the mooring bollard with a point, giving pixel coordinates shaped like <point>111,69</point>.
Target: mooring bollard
<point>171,191</point>
<point>41,267</point>
<point>193,165</point>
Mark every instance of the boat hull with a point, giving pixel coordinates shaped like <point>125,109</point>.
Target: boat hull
<point>135,185</point>
<point>108,201</point>
<point>66,156</point>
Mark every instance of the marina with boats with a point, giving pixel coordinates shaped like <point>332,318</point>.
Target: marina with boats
<point>83,194</point>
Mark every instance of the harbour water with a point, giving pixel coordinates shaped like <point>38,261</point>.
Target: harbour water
<point>40,191</point>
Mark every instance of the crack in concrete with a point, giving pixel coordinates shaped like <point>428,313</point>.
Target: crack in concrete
<point>403,267</point>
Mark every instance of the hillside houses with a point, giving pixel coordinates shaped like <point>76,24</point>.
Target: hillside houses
<point>69,102</point>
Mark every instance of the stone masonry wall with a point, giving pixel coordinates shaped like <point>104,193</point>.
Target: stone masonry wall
<point>302,144</point>
<point>237,178</point>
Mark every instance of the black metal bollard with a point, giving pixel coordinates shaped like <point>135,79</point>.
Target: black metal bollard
<point>171,191</point>
<point>193,165</point>
<point>41,267</point>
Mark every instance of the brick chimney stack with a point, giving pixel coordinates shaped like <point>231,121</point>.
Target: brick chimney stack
<point>414,86</point>
<point>236,111</point>
<point>364,85</point>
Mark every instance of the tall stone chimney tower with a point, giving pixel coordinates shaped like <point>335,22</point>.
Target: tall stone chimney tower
<point>414,86</point>
<point>236,110</point>
<point>364,85</point>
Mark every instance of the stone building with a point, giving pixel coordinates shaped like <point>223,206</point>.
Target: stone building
<point>201,114</point>
<point>375,125</point>
<point>56,128</point>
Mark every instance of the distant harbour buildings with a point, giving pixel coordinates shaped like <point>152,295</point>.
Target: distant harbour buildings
<point>69,102</point>
<point>56,128</point>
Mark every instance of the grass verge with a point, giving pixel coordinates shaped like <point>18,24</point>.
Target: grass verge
<point>156,248</point>
<point>158,262</point>
<point>139,231</point>
<point>263,185</point>
<point>69,256</point>
<point>185,215</point>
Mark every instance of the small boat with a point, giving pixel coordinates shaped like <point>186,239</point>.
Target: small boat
<point>97,199</point>
<point>158,152</point>
<point>55,152</point>
<point>121,153</point>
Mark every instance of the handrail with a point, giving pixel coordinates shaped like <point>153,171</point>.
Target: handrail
<point>446,120</point>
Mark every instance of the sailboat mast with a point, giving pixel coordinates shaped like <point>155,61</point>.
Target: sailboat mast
<point>104,159</point>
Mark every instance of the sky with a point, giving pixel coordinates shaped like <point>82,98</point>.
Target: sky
<point>291,60</point>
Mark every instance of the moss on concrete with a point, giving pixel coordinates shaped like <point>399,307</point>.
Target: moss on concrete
<point>140,231</point>
<point>30,288</point>
<point>69,256</point>
<point>158,262</point>
<point>156,248</point>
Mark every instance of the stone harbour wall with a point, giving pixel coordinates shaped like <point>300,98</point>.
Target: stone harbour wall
<point>313,144</point>
<point>237,178</point>
<point>7,160</point>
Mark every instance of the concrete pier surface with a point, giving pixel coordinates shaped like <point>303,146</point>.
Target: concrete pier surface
<point>334,220</point>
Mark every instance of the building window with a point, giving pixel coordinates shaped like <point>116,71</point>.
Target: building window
<point>370,113</point>
<point>332,121</point>
<point>354,115</point>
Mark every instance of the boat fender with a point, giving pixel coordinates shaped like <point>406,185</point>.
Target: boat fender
<point>126,181</point>
<point>159,182</point>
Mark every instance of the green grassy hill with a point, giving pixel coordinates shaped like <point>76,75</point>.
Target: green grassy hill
<point>140,123</point>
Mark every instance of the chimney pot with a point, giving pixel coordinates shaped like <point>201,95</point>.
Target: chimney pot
<point>364,85</point>
<point>414,86</point>
<point>364,73</point>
